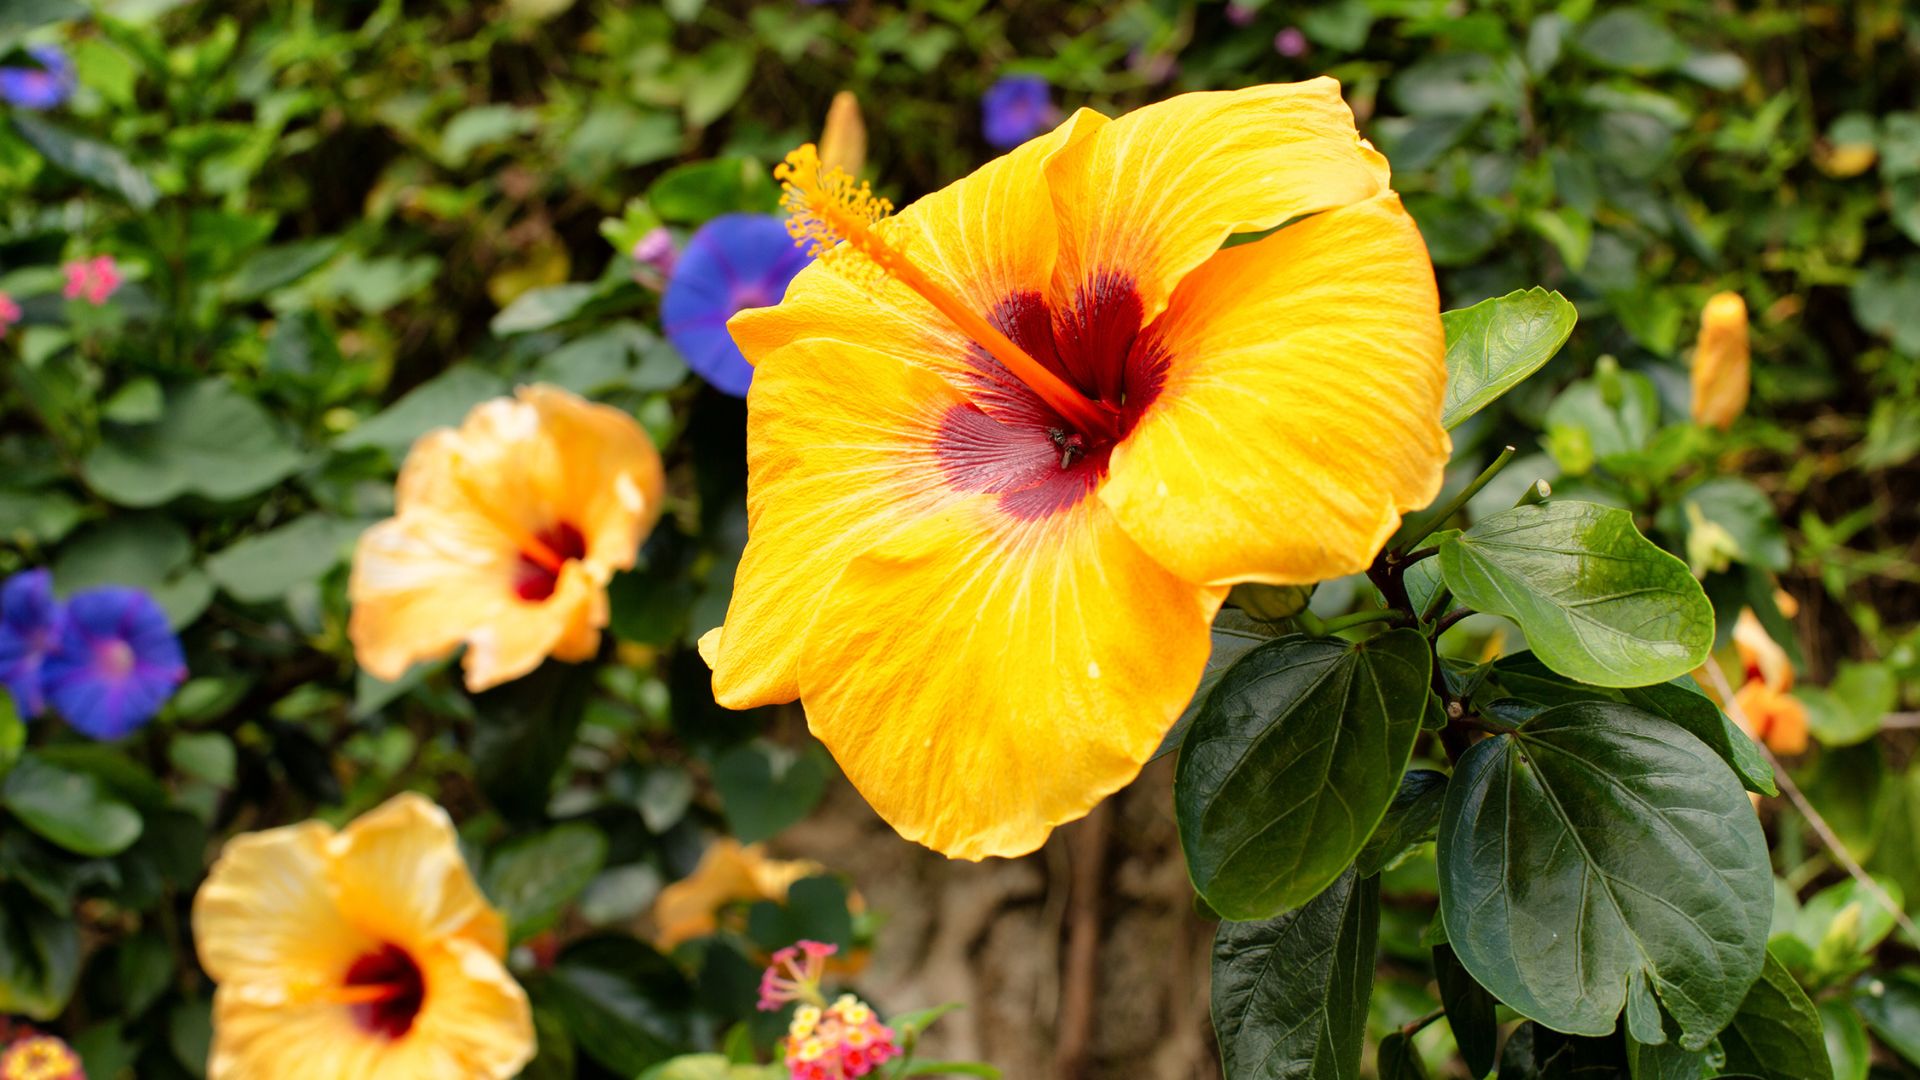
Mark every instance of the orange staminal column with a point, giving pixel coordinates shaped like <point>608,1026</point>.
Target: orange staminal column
<point>829,208</point>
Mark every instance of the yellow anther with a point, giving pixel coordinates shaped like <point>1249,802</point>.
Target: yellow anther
<point>835,215</point>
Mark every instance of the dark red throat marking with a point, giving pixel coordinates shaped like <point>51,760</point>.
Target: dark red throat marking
<point>1011,442</point>
<point>534,579</point>
<point>392,970</point>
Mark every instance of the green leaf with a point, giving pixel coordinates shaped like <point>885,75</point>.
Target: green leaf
<point>538,309</point>
<point>815,910</point>
<point>1234,635</point>
<point>1410,821</point>
<point>952,1068</point>
<point>264,567</point>
<point>1744,512</point>
<point>72,809</point>
<point>765,787</point>
<point>39,957</point>
<point>1848,1050</point>
<point>1777,1034</point>
<point>29,518</point>
<point>1495,344</point>
<point>532,879</point>
<point>204,755</point>
<point>1629,39</point>
<point>1849,709</point>
<point>1598,857</point>
<point>145,551</point>
<point>212,441</point>
<point>623,1002</point>
<point>523,733</point>
<point>277,267</point>
<point>1470,1011</point>
<point>1890,1004</point>
<point>700,191</point>
<point>1679,701</point>
<point>1598,602</point>
<point>1291,764</point>
<point>1610,419</point>
<point>711,1067</point>
<point>19,16</point>
<point>1399,1059</point>
<point>442,401</point>
<point>95,162</point>
<point>1290,993</point>
<point>1663,1061</point>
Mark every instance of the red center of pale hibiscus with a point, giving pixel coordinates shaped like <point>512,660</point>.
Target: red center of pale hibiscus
<point>387,990</point>
<point>544,557</point>
<point>1010,442</point>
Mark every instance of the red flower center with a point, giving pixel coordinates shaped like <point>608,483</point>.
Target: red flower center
<point>388,990</point>
<point>542,560</point>
<point>1011,442</point>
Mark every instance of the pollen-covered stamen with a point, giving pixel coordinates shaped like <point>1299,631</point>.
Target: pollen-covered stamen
<point>836,214</point>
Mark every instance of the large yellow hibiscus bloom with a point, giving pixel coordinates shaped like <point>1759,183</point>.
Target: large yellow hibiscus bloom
<point>1000,481</point>
<point>367,952</point>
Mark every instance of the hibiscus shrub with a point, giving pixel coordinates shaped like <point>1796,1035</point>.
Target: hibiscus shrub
<point>387,691</point>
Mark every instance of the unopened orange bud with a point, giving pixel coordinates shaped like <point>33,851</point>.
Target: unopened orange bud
<point>1721,362</point>
<point>843,141</point>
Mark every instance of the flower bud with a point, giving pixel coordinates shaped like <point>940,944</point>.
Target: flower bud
<point>843,141</point>
<point>1721,361</point>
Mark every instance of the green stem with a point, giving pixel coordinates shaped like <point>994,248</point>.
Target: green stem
<point>1537,492</point>
<point>1453,506</point>
<point>1358,618</point>
<point>1436,605</point>
<point>1414,1027</point>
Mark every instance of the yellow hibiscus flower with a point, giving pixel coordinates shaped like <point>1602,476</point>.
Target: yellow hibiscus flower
<point>504,535</point>
<point>728,873</point>
<point>367,952</point>
<point>1008,449</point>
<point>1721,362</point>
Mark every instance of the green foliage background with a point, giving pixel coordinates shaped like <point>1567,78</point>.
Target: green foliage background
<point>345,222</point>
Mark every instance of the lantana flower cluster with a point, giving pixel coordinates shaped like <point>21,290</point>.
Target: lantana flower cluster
<point>824,1041</point>
<point>32,1055</point>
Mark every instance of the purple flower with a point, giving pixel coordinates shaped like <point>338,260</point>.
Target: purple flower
<point>1290,43</point>
<point>1015,109</point>
<point>30,622</point>
<point>733,262</point>
<point>117,663</point>
<point>45,87</point>
<point>656,250</point>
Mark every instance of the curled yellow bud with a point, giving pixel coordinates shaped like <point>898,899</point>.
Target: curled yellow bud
<point>843,141</point>
<point>1721,362</point>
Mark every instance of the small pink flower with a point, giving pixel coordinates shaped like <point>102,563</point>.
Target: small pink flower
<point>93,279</point>
<point>1290,43</point>
<point>9,313</point>
<point>1241,14</point>
<point>791,978</point>
<point>657,250</point>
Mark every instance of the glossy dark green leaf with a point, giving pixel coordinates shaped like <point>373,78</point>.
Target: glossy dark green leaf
<point>1777,1033</point>
<point>815,910</point>
<point>1398,1059</point>
<point>523,732</point>
<point>1663,1061</point>
<point>1290,993</point>
<point>765,787</point>
<point>1410,821</point>
<point>532,879</point>
<point>1848,1049</point>
<point>1601,858</point>
<point>212,441</point>
<point>1291,764</point>
<point>1470,1011</point>
<point>1234,635</point>
<point>623,1002</point>
<point>1679,701</point>
<point>1495,344</point>
<point>1890,1004</point>
<point>72,809</point>
<point>95,162</point>
<point>39,957</point>
<point>1598,602</point>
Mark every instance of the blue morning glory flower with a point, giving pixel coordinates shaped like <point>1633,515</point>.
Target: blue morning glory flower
<point>733,262</point>
<point>30,622</point>
<point>117,663</point>
<point>1015,109</point>
<point>45,87</point>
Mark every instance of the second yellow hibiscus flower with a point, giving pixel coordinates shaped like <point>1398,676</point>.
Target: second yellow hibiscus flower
<point>1008,449</point>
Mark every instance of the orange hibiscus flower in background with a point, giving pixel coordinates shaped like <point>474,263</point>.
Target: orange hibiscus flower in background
<point>1008,449</point>
<point>366,953</point>
<point>1763,705</point>
<point>504,536</point>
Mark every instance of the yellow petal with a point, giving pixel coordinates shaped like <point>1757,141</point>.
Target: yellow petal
<point>265,923</point>
<point>475,1023</point>
<point>986,238</point>
<point>399,874</point>
<point>606,479</point>
<point>301,1041</point>
<point>1759,653</point>
<point>1300,416</point>
<point>1153,194</point>
<point>841,448</point>
<point>982,678</point>
<point>1721,362</point>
